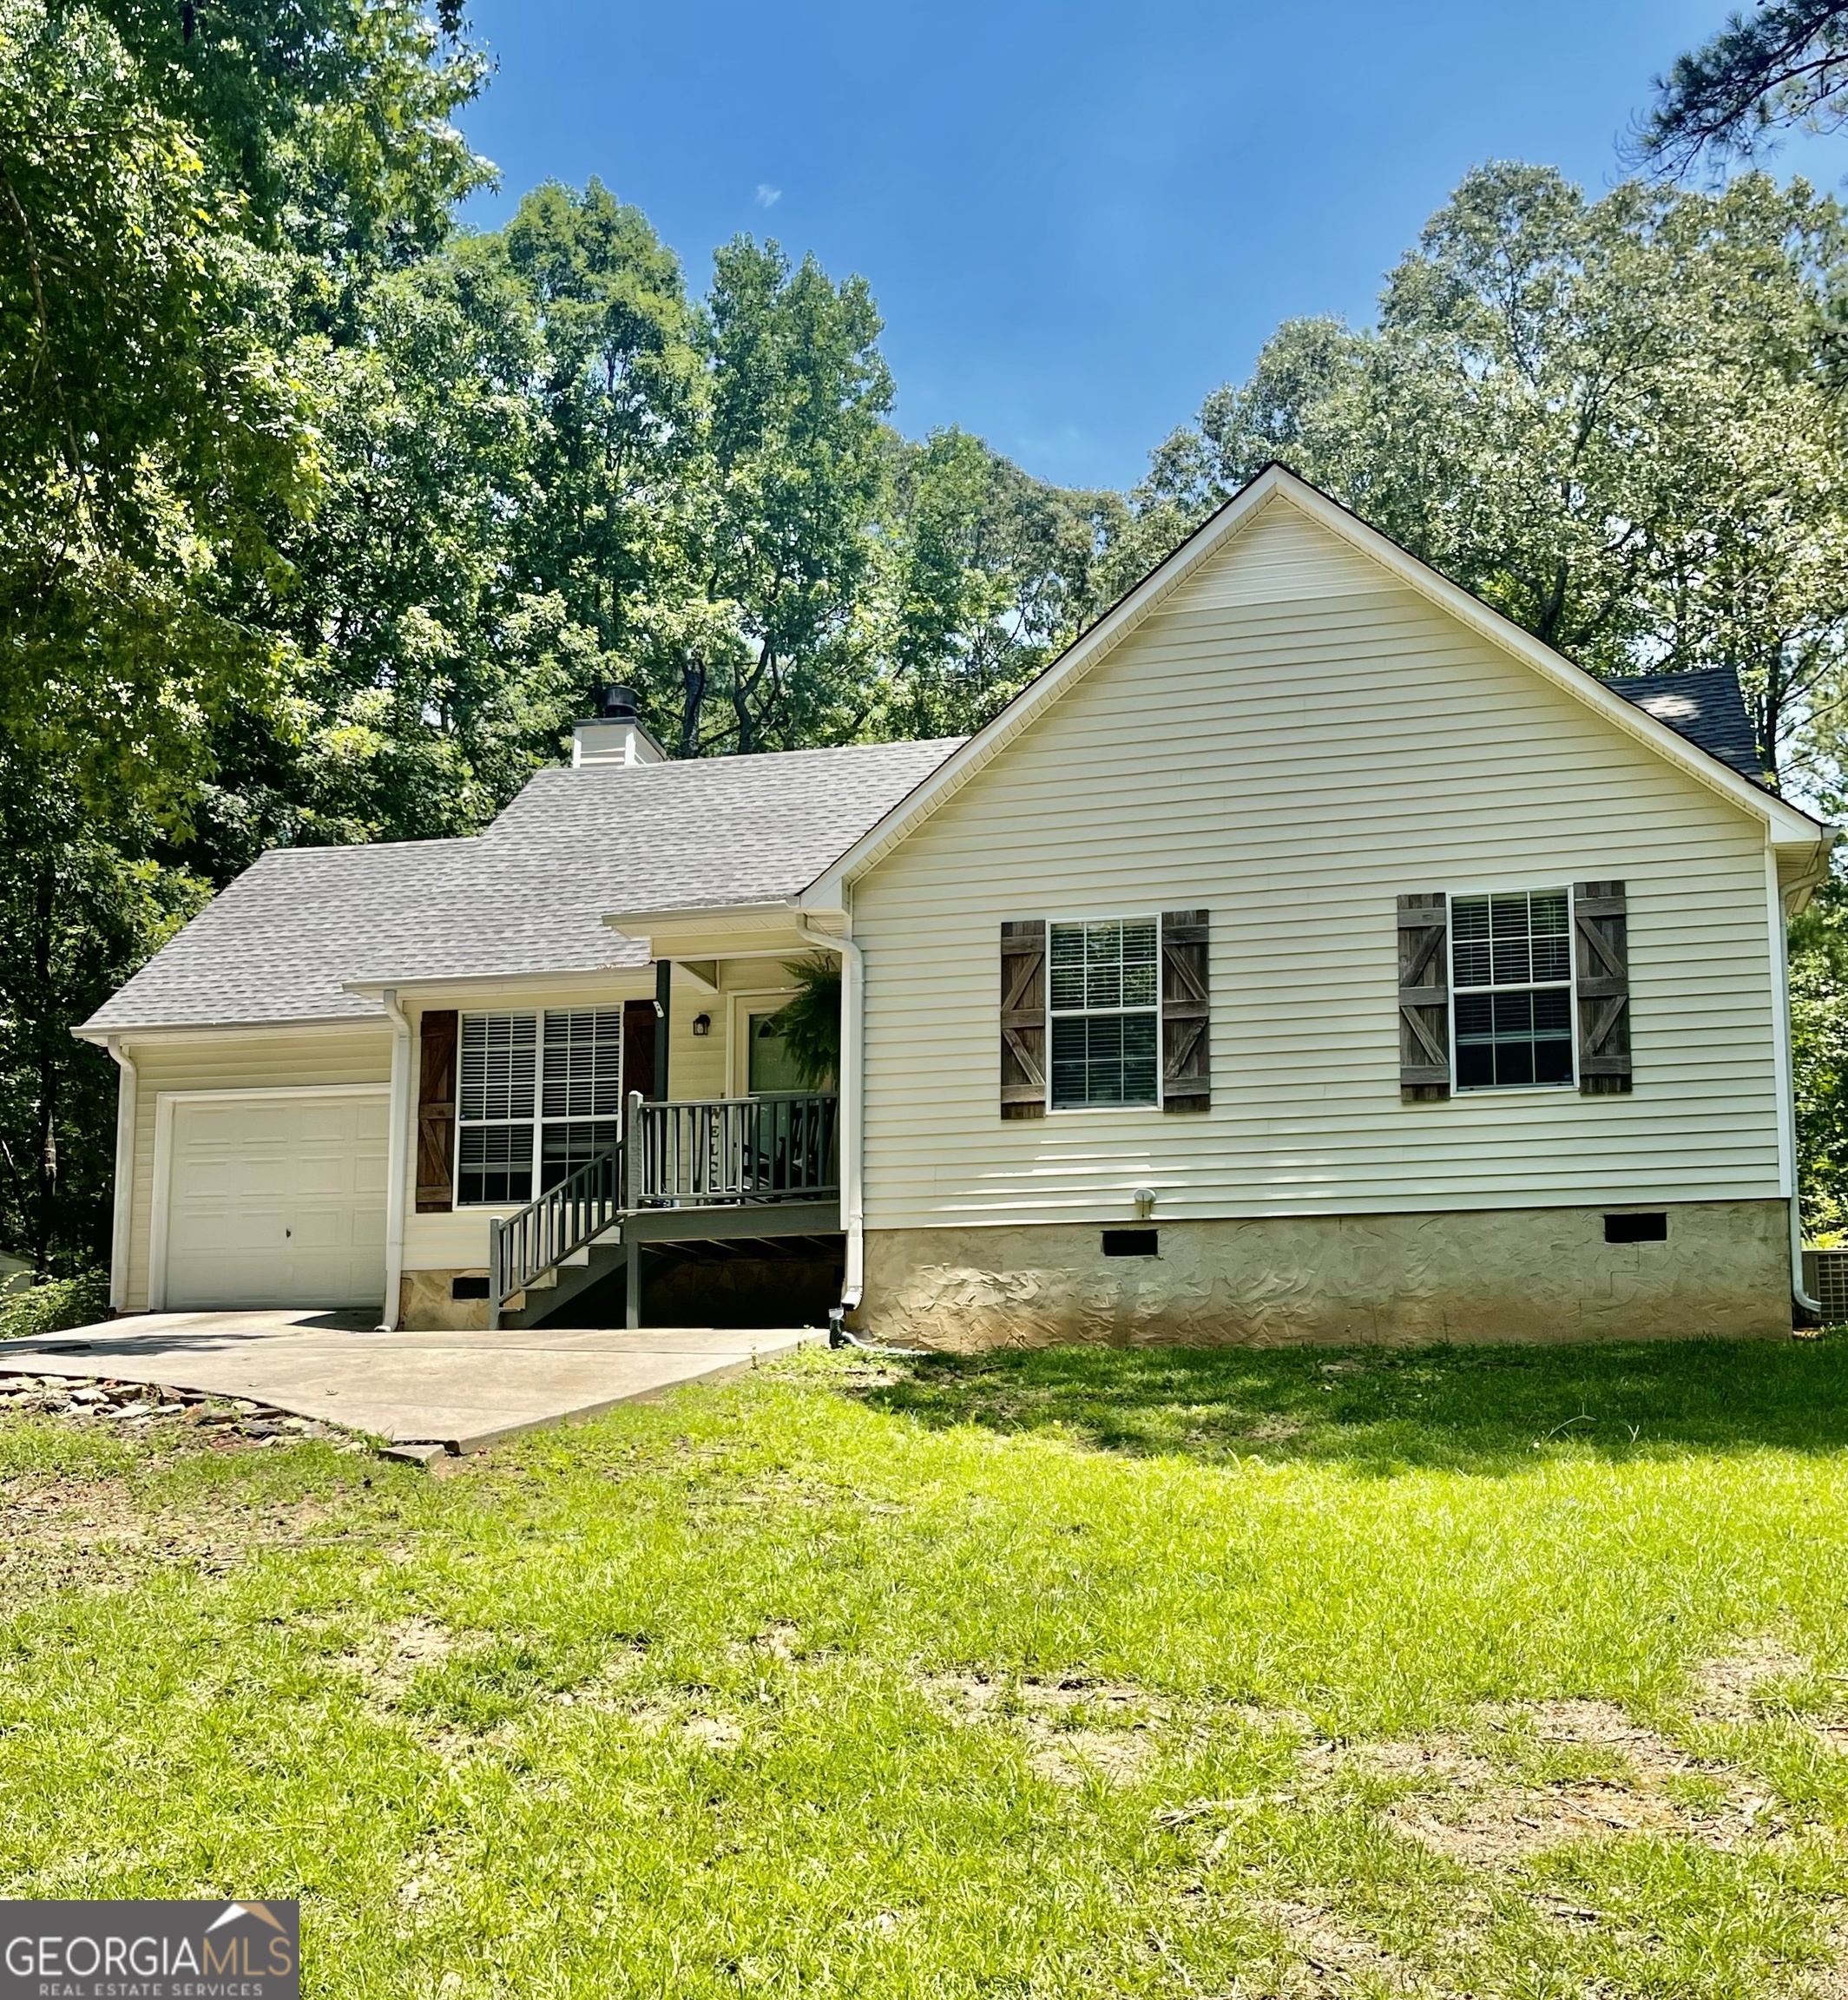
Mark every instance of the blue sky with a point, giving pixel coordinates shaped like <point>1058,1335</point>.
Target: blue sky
<point>1077,219</point>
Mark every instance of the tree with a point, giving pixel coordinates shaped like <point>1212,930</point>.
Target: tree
<point>1786,64</point>
<point>988,573</point>
<point>618,392</point>
<point>159,247</point>
<point>1616,421</point>
<point>795,447</point>
<point>1818,1004</point>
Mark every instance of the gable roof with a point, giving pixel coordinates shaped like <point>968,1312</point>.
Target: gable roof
<point>1706,707</point>
<point>1276,484</point>
<point>528,896</point>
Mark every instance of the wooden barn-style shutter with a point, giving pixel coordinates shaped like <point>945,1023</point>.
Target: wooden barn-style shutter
<point>436,1111</point>
<point>1186,1042</point>
<point>1600,925</point>
<point>1023,1020</point>
<point>1424,997</point>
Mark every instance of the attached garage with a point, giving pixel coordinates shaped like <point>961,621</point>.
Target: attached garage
<point>269,1198</point>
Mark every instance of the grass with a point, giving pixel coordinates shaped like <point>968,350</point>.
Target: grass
<point>1515,1672</point>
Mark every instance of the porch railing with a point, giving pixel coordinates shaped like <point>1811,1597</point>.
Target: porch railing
<point>732,1149</point>
<point>696,1153</point>
<point>544,1233</point>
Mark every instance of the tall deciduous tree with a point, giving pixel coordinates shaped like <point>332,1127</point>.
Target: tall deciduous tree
<point>987,574</point>
<point>1614,420</point>
<point>167,219</point>
<point>795,446</point>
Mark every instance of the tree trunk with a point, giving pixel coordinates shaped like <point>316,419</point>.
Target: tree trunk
<point>693,699</point>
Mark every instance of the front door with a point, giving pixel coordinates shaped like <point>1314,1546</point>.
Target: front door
<point>768,1065</point>
<point>640,1024</point>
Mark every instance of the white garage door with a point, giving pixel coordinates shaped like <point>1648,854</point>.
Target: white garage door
<point>276,1201</point>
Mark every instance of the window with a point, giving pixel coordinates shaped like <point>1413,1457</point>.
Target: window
<point>769,1066</point>
<point>548,1086</point>
<point>1104,993</point>
<point>1511,978</point>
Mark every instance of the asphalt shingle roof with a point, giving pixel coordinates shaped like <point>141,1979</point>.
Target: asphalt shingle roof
<point>526,896</point>
<point>1706,707</point>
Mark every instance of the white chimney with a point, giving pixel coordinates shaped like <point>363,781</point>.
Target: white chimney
<point>614,735</point>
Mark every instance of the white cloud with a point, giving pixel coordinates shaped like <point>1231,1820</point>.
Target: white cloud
<point>767,196</point>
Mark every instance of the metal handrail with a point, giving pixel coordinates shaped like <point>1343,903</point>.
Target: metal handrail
<point>543,1235</point>
<point>697,1153</point>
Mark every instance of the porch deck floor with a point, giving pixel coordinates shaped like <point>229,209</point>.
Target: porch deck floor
<point>458,1391</point>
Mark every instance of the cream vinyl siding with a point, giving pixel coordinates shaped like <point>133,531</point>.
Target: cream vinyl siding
<point>1294,740</point>
<point>273,1059</point>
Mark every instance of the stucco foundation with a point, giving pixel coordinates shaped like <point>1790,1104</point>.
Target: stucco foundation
<point>1498,1274</point>
<point>425,1304</point>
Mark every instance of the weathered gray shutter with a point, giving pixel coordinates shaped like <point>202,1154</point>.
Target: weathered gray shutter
<point>435,1110</point>
<point>1424,997</point>
<point>1023,1020</point>
<point>1187,1043</point>
<point>1601,923</point>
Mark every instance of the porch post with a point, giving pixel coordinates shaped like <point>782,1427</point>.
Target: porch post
<point>631,1316</point>
<point>663,1002</point>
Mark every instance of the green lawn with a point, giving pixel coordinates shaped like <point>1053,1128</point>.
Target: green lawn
<point>1497,1672</point>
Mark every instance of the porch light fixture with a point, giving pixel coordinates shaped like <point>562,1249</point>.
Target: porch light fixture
<point>702,1024</point>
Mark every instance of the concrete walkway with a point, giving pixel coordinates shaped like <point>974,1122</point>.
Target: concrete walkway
<point>453,1393</point>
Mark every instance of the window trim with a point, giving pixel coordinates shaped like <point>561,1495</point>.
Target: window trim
<point>1476,1092</point>
<point>538,1120</point>
<point>1113,916</point>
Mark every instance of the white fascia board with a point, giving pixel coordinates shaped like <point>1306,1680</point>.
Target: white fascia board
<point>1786,824</point>
<point>746,915</point>
<point>215,1030</point>
<point>586,982</point>
<point>719,930</point>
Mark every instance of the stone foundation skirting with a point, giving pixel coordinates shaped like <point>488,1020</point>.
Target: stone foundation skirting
<point>1537,1275</point>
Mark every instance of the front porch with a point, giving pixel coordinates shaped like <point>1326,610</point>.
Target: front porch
<point>709,1170</point>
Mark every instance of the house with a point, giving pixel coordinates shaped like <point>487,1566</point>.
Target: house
<point>1308,954</point>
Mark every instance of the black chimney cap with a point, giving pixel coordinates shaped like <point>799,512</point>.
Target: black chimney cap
<point>617,704</point>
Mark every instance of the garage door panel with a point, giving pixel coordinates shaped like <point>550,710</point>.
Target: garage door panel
<point>318,1174</point>
<point>277,1200</point>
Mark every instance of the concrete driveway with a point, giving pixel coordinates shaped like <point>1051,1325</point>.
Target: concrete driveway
<point>428,1392</point>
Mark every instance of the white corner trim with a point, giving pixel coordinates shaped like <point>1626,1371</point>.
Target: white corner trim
<point>121,1219</point>
<point>162,1199</point>
<point>1787,825</point>
<point>398,1150</point>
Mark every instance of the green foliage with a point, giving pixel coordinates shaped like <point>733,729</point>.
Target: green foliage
<point>1784,63</point>
<point>52,1305</point>
<point>1616,421</point>
<point>989,573</point>
<point>810,1024</point>
<point>1819,1008</point>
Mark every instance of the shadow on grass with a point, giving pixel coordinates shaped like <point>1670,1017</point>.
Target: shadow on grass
<point>1480,1409</point>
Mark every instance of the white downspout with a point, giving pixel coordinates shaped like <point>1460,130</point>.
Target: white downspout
<point>397,1159</point>
<point>1785,1079</point>
<point>122,1219</point>
<point>853,1068</point>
